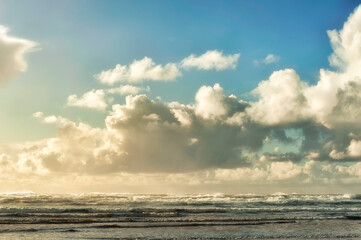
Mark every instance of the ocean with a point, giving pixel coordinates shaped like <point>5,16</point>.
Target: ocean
<point>160,216</point>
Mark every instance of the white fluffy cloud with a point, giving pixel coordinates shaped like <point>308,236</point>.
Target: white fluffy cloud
<point>146,69</point>
<point>209,102</point>
<point>12,52</point>
<point>211,60</point>
<point>138,71</point>
<point>98,99</point>
<point>281,99</point>
<point>333,101</point>
<point>213,105</point>
<point>94,99</point>
<point>346,44</point>
<point>327,114</point>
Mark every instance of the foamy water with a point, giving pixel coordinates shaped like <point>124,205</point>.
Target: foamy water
<point>160,216</point>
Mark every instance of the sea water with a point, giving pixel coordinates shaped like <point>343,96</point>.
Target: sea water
<point>160,216</point>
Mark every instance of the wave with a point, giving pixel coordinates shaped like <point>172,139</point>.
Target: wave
<point>81,218</point>
<point>7,230</point>
<point>198,224</point>
<point>166,211</point>
<point>352,196</point>
<point>114,198</point>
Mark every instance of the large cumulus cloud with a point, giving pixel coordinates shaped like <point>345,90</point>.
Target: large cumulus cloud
<point>327,113</point>
<point>145,135</point>
<point>175,137</point>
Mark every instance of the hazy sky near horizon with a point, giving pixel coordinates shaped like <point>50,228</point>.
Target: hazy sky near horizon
<point>197,96</point>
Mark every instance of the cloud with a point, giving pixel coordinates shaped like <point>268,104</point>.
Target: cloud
<point>218,139</point>
<point>281,99</point>
<point>284,170</point>
<point>327,113</point>
<point>127,90</point>
<point>269,59</point>
<point>332,99</point>
<point>50,119</point>
<point>138,71</point>
<point>280,157</point>
<point>193,141</point>
<point>94,99</point>
<point>12,52</point>
<point>352,151</point>
<point>211,60</point>
<point>97,98</point>
<point>150,136</point>
<point>146,70</point>
<point>209,102</point>
<point>58,154</point>
<point>345,43</point>
<point>217,131</point>
<point>38,114</point>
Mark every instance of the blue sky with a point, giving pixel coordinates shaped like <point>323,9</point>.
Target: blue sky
<point>272,54</point>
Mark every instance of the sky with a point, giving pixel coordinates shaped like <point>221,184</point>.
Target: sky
<point>180,96</point>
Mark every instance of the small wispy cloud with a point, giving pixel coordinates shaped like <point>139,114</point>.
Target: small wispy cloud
<point>211,60</point>
<point>127,90</point>
<point>50,119</point>
<point>269,59</point>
